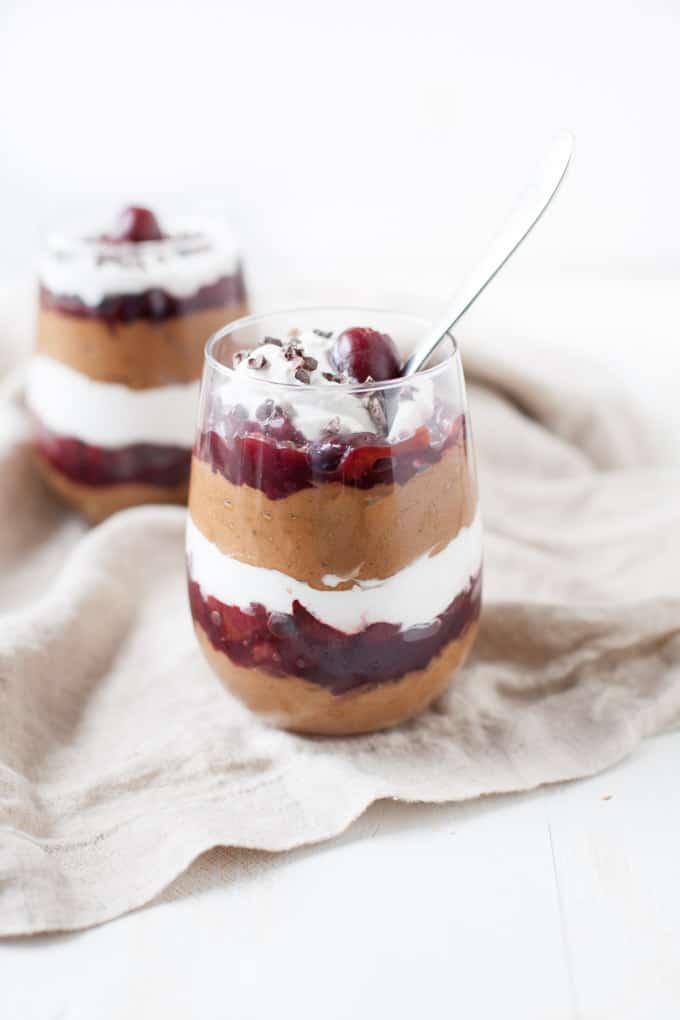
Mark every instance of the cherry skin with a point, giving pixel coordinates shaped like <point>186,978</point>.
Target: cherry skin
<point>135,224</point>
<point>364,353</point>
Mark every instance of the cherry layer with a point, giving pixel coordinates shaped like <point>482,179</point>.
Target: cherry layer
<point>155,304</point>
<point>145,463</point>
<point>298,644</point>
<point>279,460</point>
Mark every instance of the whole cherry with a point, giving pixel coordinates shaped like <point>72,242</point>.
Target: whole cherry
<point>135,224</point>
<point>363,353</point>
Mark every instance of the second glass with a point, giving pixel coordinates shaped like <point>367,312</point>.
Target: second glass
<point>113,385</point>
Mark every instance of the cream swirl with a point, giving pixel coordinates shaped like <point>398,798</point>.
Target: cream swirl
<point>191,257</point>
<point>321,403</point>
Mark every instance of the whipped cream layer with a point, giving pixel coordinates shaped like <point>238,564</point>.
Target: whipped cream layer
<point>93,270</point>
<point>410,598</point>
<point>110,415</point>
<point>312,406</point>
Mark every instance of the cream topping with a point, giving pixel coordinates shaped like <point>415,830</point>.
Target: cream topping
<point>180,265</point>
<point>110,414</point>
<point>313,412</point>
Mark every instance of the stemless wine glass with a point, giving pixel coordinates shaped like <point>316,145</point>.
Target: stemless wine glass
<point>334,538</point>
<point>113,385</point>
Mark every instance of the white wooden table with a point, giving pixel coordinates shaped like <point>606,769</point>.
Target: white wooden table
<point>563,903</point>
<point>555,905</point>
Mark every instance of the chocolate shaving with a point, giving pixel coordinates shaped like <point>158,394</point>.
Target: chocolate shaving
<point>376,410</point>
<point>292,351</point>
<point>100,260</point>
<point>323,333</point>
<point>331,377</point>
<point>257,361</point>
<point>301,375</point>
<point>310,363</point>
<point>272,340</point>
<point>238,357</point>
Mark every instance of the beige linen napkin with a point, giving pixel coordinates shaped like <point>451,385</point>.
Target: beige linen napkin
<point>122,759</point>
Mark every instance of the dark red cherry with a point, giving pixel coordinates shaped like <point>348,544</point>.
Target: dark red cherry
<point>364,353</point>
<point>327,454</point>
<point>135,224</point>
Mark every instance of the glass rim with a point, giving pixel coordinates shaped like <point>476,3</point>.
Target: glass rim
<point>365,387</point>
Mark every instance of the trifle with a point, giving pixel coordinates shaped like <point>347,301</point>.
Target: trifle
<point>113,386</point>
<point>334,537</point>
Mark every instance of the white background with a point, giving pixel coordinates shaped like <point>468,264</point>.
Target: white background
<point>389,127</point>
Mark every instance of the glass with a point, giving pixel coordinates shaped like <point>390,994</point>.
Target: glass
<point>334,537</point>
<point>114,382</point>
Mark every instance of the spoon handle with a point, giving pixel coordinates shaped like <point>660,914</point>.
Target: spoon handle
<point>525,215</point>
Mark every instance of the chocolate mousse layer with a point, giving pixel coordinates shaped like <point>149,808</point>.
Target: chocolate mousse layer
<point>139,354</point>
<point>296,704</point>
<point>337,529</point>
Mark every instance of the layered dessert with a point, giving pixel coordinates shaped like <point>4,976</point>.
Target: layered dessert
<point>334,540</point>
<point>113,386</point>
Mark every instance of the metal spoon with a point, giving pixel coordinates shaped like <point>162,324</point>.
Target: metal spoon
<point>526,214</point>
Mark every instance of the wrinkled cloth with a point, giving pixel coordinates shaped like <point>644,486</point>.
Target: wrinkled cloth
<point>122,759</point>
